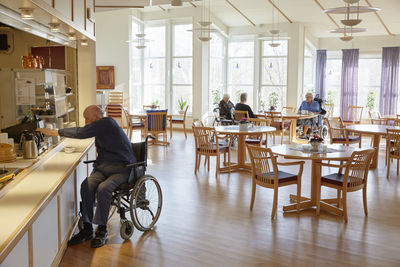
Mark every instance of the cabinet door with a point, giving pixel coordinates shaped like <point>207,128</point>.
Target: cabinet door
<point>45,235</point>
<point>67,206</point>
<point>19,256</point>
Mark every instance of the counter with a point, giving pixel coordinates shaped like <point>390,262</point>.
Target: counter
<point>39,212</point>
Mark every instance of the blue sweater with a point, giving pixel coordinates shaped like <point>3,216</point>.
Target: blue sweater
<point>313,106</point>
<point>112,144</point>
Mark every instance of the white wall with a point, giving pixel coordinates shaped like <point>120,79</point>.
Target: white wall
<point>112,31</point>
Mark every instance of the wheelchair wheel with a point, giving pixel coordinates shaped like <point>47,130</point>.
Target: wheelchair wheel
<point>145,203</point>
<point>126,230</point>
<point>323,132</point>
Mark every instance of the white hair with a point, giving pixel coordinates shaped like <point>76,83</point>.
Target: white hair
<point>226,96</point>
<point>309,94</point>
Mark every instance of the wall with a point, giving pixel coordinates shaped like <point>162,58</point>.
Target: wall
<point>112,32</point>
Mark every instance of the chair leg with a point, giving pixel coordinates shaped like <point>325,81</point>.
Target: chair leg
<point>229,161</point>
<point>205,160</point>
<point>273,138</point>
<point>298,194</point>
<point>170,129</point>
<point>282,137</point>
<point>397,167</point>
<point>274,205</point>
<point>196,163</point>
<point>208,163</point>
<point>365,200</point>
<point>388,168</point>
<point>338,198</point>
<point>253,195</point>
<point>318,204</point>
<point>217,166</point>
<point>345,206</point>
<point>184,129</point>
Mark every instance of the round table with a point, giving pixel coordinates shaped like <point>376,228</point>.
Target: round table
<point>372,129</point>
<point>241,137</point>
<point>343,153</point>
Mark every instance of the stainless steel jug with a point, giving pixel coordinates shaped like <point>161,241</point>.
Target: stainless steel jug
<point>29,146</point>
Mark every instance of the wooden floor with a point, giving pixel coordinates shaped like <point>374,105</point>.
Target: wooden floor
<point>207,222</point>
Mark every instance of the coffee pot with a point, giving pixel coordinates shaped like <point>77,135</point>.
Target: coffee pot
<point>29,144</point>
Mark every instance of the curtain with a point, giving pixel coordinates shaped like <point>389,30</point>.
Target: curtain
<point>389,80</point>
<point>320,74</point>
<point>349,84</point>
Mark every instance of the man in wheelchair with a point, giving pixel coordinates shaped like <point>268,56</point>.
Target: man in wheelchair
<point>308,105</point>
<point>114,152</point>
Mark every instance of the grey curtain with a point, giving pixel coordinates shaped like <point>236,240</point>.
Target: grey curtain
<point>320,74</point>
<point>389,80</point>
<point>349,84</point>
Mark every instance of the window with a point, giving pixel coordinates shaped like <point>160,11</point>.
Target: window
<point>369,82</point>
<point>333,82</point>
<point>136,79</point>
<point>309,70</point>
<point>182,58</point>
<point>273,75</point>
<point>217,70</point>
<point>241,70</point>
<point>154,67</point>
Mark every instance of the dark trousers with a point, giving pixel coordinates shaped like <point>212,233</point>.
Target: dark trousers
<point>104,179</point>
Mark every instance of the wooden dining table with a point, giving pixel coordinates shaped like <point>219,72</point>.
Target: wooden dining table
<point>377,131</point>
<point>295,151</point>
<point>293,117</point>
<point>241,139</point>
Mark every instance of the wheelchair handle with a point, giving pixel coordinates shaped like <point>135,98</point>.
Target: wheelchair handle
<point>150,136</point>
<point>136,164</point>
<point>89,161</point>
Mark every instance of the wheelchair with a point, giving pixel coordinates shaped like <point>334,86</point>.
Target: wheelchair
<point>141,196</point>
<point>220,120</point>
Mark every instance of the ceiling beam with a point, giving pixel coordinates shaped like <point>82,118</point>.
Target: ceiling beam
<point>280,11</point>
<point>240,12</point>
<point>329,16</point>
<point>190,2</point>
<point>101,6</point>
<point>163,9</point>
<point>381,20</point>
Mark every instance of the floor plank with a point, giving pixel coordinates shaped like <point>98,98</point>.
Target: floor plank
<point>206,221</point>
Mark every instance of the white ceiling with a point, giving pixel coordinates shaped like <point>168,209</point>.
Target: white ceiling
<point>303,11</point>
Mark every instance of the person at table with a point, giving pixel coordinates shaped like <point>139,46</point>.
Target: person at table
<point>225,107</point>
<point>242,106</point>
<point>309,105</point>
<point>114,152</point>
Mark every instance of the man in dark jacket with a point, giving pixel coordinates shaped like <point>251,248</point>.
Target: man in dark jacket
<point>114,152</point>
<point>225,107</point>
<point>243,106</point>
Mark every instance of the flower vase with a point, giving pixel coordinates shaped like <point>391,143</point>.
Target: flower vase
<point>315,146</point>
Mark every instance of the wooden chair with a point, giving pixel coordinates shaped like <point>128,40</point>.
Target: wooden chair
<point>239,114</point>
<point>257,139</point>
<point>338,133</point>
<point>197,123</point>
<point>288,110</point>
<point>376,118</point>
<point>157,125</point>
<point>280,124</point>
<point>264,170</point>
<point>132,125</point>
<point>392,148</point>
<point>146,107</point>
<point>115,98</point>
<point>207,144</point>
<point>179,121</point>
<point>329,108</point>
<point>115,111</point>
<point>353,115</point>
<point>354,179</point>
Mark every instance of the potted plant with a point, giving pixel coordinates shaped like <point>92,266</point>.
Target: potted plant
<point>316,141</point>
<point>181,104</point>
<point>154,104</point>
<point>273,100</point>
<point>243,124</point>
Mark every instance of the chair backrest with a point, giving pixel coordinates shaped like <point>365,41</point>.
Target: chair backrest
<point>184,114</point>
<point>263,165</point>
<point>157,121</point>
<point>198,123</point>
<point>393,142</point>
<point>204,137</point>
<point>151,107</point>
<point>128,124</point>
<point>114,111</point>
<point>116,98</point>
<point>329,108</point>
<point>356,172</point>
<point>274,115</point>
<point>396,122</point>
<point>260,122</point>
<point>375,117</point>
<point>335,124</point>
<point>289,109</point>
<point>354,113</point>
<point>239,114</point>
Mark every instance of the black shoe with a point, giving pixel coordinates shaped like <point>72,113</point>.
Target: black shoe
<point>80,237</point>
<point>100,239</point>
<point>304,136</point>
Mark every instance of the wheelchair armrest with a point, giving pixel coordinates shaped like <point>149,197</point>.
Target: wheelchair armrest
<point>89,161</point>
<point>136,164</point>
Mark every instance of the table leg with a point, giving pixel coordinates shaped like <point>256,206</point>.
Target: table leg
<point>377,140</point>
<point>315,180</point>
<point>241,152</point>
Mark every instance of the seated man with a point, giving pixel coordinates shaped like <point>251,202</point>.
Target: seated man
<point>243,106</point>
<point>308,105</point>
<point>114,152</point>
<point>225,107</point>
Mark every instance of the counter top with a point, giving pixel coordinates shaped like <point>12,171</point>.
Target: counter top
<point>21,204</point>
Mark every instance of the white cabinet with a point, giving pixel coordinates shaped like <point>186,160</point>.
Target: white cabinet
<point>19,256</point>
<point>67,206</point>
<point>45,235</point>
<point>81,174</point>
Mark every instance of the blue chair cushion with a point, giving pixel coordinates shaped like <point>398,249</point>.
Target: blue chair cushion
<point>157,111</point>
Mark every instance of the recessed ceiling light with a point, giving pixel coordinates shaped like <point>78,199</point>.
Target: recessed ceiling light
<point>50,37</point>
<point>26,13</point>
<point>54,27</point>
<point>27,27</point>
<point>84,42</point>
<point>71,36</point>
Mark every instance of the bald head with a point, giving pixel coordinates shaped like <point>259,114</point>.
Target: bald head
<point>92,113</point>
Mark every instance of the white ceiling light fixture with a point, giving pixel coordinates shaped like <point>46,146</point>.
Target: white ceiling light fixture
<point>26,13</point>
<point>71,36</point>
<point>176,2</point>
<point>205,23</point>
<point>352,10</point>
<point>348,30</point>
<point>84,42</point>
<point>346,38</point>
<point>54,27</point>
<point>140,41</point>
<point>351,1</point>
<point>274,31</point>
<point>50,37</point>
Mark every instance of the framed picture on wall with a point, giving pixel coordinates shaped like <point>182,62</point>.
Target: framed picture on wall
<point>105,77</point>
